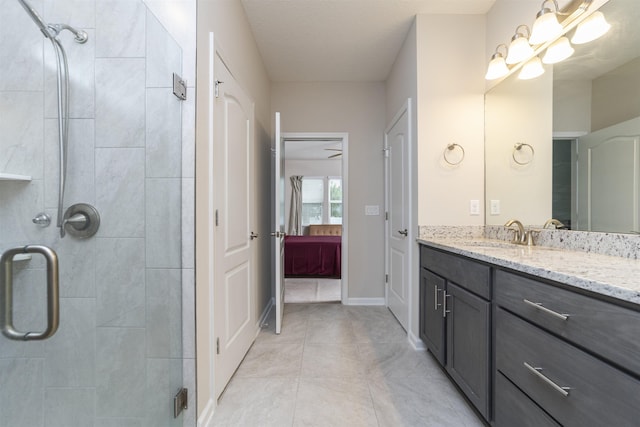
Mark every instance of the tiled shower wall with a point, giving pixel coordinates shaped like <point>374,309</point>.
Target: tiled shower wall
<point>127,322</point>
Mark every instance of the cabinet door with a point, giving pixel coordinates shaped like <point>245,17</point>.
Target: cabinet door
<point>468,338</point>
<point>431,319</point>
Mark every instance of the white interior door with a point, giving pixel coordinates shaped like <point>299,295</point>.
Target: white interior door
<point>397,170</point>
<point>233,264</point>
<point>609,176</point>
<point>278,226</point>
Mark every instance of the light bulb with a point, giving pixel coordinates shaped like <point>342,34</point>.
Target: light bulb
<point>532,69</point>
<point>519,49</point>
<point>545,28</point>
<point>497,67</point>
<point>558,51</point>
<point>591,28</point>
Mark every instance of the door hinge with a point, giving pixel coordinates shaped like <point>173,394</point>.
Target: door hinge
<point>386,278</point>
<point>216,217</point>
<point>386,216</point>
<point>386,152</point>
<point>179,87</point>
<point>180,402</point>
<point>217,345</point>
<point>217,88</point>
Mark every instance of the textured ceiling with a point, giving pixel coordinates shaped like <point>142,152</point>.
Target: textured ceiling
<point>339,40</point>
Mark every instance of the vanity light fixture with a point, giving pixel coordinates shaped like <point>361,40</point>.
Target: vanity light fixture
<point>558,51</point>
<point>532,69</point>
<point>519,49</point>
<point>591,28</point>
<point>546,26</point>
<point>547,34</point>
<point>497,66</point>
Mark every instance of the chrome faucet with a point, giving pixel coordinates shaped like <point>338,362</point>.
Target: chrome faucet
<point>519,235</point>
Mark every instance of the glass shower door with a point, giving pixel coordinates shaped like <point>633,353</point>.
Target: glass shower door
<point>116,357</point>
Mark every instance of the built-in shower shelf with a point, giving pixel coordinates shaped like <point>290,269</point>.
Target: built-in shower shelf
<point>22,257</point>
<point>13,177</point>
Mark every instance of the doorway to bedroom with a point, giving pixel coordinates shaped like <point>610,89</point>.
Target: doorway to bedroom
<point>315,217</point>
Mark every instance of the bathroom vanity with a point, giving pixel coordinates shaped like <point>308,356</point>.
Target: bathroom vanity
<point>534,336</point>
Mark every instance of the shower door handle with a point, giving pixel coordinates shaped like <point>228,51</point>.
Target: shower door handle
<point>6,293</point>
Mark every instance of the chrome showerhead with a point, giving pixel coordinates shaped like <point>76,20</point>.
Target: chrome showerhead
<point>79,35</point>
<point>51,31</point>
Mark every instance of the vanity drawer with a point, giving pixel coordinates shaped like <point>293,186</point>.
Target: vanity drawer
<point>598,394</point>
<point>514,408</point>
<point>465,273</point>
<point>609,330</point>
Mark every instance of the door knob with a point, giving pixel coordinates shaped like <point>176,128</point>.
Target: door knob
<point>253,235</point>
<point>404,232</point>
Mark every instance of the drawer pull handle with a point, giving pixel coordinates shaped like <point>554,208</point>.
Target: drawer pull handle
<point>539,306</point>
<point>435,298</point>
<point>564,391</point>
<point>444,303</point>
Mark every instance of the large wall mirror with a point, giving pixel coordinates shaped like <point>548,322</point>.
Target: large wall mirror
<point>566,145</point>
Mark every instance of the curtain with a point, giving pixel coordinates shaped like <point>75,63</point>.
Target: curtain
<point>295,211</point>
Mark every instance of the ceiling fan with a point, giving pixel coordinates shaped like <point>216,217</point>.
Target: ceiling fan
<point>334,155</point>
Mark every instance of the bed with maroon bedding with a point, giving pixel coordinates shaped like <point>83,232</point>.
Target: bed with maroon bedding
<point>312,256</point>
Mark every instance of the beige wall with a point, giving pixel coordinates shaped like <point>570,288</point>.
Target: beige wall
<point>616,96</point>
<point>571,106</point>
<point>359,110</point>
<point>451,85</point>
<point>226,19</point>
<point>523,190</point>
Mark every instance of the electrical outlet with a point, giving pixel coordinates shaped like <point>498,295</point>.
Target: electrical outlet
<point>495,207</point>
<point>474,207</point>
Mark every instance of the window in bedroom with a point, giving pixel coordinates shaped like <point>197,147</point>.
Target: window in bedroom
<point>335,201</point>
<point>321,200</point>
<point>312,198</point>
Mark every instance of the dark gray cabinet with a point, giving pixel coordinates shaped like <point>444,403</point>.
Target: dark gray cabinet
<point>432,330</point>
<point>455,321</point>
<point>566,353</point>
<point>529,351</point>
<point>468,344</point>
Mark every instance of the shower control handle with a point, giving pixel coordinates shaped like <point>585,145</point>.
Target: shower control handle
<point>80,220</point>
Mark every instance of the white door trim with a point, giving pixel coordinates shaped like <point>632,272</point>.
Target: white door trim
<point>344,136</point>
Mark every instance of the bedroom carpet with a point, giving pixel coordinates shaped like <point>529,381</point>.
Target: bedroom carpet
<point>312,290</point>
<point>336,365</point>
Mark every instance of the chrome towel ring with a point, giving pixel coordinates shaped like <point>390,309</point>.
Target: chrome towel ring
<point>447,153</point>
<point>518,148</point>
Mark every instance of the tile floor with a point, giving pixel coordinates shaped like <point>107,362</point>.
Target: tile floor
<point>336,365</point>
<point>312,290</point>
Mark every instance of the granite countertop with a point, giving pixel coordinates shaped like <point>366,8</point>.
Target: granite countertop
<point>614,277</point>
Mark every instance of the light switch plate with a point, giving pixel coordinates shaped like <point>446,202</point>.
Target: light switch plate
<point>372,210</point>
<point>495,207</point>
<point>474,207</point>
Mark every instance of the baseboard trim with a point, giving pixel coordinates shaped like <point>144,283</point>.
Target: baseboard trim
<point>365,301</point>
<point>206,417</point>
<point>416,342</point>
